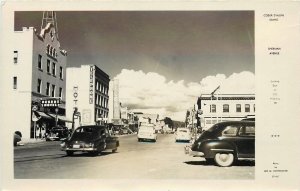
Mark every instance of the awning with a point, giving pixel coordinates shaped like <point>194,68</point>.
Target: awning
<point>61,118</point>
<point>43,115</point>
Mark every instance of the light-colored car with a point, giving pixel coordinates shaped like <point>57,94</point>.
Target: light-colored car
<point>147,132</point>
<point>183,134</point>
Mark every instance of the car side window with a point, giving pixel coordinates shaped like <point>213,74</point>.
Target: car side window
<point>230,131</point>
<point>102,132</point>
<point>247,131</point>
<point>107,132</point>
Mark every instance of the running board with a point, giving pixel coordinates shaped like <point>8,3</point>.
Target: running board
<point>251,159</point>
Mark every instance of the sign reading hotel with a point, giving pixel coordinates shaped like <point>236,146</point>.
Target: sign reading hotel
<point>91,86</point>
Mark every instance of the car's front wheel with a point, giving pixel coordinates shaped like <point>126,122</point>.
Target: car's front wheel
<point>224,159</point>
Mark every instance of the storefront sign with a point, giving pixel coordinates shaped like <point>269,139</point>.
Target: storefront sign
<point>75,95</point>
<point>91,89</point>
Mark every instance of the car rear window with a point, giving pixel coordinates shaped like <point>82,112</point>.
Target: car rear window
<point>247,131</point>
<point>146,129</point>
<point>230,131</point>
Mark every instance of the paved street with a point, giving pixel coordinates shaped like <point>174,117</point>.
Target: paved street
<point>164,159</point>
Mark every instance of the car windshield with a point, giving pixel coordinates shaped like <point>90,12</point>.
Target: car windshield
<point>183,130</point>
<point>87,131</point>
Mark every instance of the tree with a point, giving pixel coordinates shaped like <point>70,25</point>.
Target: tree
<point>169,121</point>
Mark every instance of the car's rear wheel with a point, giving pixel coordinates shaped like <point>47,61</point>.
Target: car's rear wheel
<point>224,159</point>
<point>70,153</point>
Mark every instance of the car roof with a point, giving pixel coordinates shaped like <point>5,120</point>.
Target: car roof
<point>92,126</point>
<point>236,122</point>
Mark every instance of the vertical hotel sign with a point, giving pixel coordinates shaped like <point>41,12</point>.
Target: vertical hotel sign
<point>91,86</point>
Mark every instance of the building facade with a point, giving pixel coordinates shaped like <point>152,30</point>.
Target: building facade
<point>87,90</point>
<point>114,103</point>
<point>224,107</point>
<point>39,65</point>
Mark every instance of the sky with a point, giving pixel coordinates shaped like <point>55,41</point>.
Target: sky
<point>164,60</point>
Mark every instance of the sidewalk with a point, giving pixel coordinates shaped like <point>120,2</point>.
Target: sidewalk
<point>30,141</point>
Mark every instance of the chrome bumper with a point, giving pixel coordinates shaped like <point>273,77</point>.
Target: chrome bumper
<point>188,151</point>
<point>79,149</point>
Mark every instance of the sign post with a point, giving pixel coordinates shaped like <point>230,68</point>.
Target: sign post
<point>34,117</point>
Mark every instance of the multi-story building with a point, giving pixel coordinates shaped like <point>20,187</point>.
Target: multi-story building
<point>224,107</point>
<point>39,64</point>
<point>114,103</point>
<point>87,90</point>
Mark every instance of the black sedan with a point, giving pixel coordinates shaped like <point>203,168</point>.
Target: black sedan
<point>226,142</point>
<point>92,139</point>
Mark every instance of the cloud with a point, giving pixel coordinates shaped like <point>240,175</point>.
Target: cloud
<point>152,93</point>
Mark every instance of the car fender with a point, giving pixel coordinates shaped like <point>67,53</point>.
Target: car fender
<point>211,147</point>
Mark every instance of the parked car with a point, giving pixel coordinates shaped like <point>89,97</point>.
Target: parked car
<point>58,133</point>
<point>226,142</point>
<point>182,134</point>
<point>147,132</point>
<point>124,130</point>
<point>92,139</point>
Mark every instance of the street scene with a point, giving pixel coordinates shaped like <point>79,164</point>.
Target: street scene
<point>163,159</point>
<point>134,95</point>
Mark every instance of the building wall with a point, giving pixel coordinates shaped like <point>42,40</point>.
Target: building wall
<point>21,96</point>
<point>40,48</point>
<point>101,96</point>
<point>81,93</point>
<point>209,118</point>
<point>114,102</point>
<point>27,72</point>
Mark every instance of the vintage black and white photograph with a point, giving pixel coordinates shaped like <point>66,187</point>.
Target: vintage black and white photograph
<point>134,95</point>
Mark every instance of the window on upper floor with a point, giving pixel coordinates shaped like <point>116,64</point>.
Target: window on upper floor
<point>97,84</point>
<point>53,69</point>
<point>40,65</point>
<point>53,91</point>
<point>15,82</point>
<point>225,108</point>
<point>247,107</point>
<point>39,86</point>
<point>238,108</point>
<point>61,73</point>
<point>48,66</point>
<point>48,49</point>
<point>61,93</point>
<point>48,89</point>
<point>213,108</point>
<point>15,57</point>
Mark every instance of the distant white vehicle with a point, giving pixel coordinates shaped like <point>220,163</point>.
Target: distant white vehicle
<point>147,132</point>
<point>183,134</point>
